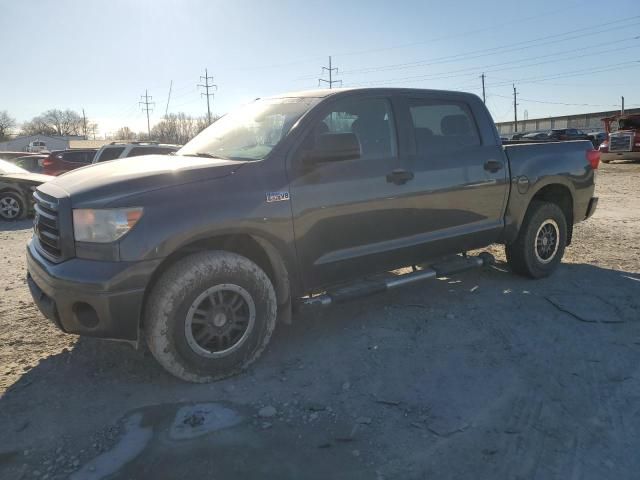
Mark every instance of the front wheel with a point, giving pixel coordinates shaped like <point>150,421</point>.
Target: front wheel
<point>541,242</point>
<point>210,316</point>
<point>12,206</point>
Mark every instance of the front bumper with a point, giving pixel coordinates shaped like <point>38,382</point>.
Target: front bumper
<point>88,297</point>
<point>610,156</point>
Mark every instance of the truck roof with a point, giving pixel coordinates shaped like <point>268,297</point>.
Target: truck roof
<point>326,92</point>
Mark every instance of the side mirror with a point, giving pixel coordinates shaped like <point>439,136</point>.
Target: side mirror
<point>334,147</point>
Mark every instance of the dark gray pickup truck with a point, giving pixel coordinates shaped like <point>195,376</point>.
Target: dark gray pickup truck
<point>310,197</point>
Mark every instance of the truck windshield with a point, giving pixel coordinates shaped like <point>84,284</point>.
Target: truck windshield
<point>250,132</point>
<point>631,123</point>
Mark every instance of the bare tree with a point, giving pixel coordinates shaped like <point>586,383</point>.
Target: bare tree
<point>55,122</point>
<point>7,122</point>
<point>125,133</point>
<point>178,128</point>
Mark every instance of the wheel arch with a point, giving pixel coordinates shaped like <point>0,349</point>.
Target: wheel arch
<point>554,191</point>
<point>562,196</point>
<point>254,247</point>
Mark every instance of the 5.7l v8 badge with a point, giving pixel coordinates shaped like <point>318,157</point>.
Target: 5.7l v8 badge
<point>277,197</point>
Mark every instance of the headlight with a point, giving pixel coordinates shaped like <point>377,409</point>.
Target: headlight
<point>103,225</point>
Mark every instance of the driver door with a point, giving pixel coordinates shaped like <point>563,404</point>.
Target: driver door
<point>343,211</point>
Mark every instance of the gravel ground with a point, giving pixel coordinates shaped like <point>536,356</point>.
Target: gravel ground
<point>485,375</point>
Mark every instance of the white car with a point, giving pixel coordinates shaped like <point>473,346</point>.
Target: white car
<point>36,146</point>
<point>134,149</point>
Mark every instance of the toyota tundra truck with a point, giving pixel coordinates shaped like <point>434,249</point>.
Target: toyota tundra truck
<point>307,198</point>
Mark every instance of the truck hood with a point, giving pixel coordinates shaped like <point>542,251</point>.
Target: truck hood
<point>26,178</point>
<point>99,184</point>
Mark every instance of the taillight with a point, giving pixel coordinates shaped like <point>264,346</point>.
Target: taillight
<point>47,162</point>
<point>593,157</point>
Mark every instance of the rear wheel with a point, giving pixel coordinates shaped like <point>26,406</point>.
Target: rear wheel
<point>12,206</point>
<point>210,316</point>
<point>541,242</point>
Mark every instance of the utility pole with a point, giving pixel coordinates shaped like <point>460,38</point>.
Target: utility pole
<point>515,108</point>
<point>622,109</point>
<point>331,81</point>
<point>207,86</point>
<point>146,102</point>
<point>166,110</point>
<point>84,124</point>
<point>484,98</point>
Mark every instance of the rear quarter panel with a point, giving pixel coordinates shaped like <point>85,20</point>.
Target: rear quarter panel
<point>534,166</point>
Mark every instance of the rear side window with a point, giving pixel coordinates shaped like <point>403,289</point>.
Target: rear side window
<point>442,126</point>
<point>77,157</point>
<point>137,151</point>
<point>110,153</point>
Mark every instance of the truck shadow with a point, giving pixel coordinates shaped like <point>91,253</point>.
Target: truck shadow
<point>398,359</point>
<point>25,224</point>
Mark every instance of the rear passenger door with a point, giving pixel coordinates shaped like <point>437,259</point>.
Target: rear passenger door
<point>457,197</point>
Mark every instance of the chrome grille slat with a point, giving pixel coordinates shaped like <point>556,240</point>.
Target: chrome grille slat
<point>46,225</point>
<point>620,143</point>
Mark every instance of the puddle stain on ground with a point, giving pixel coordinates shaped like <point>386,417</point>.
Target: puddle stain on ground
<point>182,422</point>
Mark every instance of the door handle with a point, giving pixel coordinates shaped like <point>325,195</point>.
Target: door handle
<point>399,177</point>
<point>493,166</point>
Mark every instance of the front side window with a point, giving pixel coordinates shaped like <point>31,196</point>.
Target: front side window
<point>442,126</point>
<point>252,131</point>
<point>370,120</point>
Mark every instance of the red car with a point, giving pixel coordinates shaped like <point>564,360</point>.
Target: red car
<point>61,161</point>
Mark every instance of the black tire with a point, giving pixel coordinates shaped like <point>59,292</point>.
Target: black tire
<point>12,206</point>
<point>531,255</point>
<point>170,319</point>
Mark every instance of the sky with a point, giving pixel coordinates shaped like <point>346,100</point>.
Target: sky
<point>101,55</point>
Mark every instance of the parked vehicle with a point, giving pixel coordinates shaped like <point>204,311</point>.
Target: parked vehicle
<point>563,134</point>
<point>134,149</point>
<point>16,188</point>
<point>623,142</point>
<point>36,146</point>
<point>32,163</point>
<point>597,138</point>
<point>12,155</point>
<point>307,198</point>
<point>536,136</point>
<point>61,161</point>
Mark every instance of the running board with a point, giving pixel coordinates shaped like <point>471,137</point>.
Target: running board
<point>378,285</point>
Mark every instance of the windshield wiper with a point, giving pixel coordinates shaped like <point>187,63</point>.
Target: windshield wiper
<point>203,155</point>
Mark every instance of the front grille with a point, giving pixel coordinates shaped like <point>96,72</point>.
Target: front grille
<point>46,225</point>
<point>621,143</point>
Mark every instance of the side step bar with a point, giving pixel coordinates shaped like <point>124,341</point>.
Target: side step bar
<point>378,285</point>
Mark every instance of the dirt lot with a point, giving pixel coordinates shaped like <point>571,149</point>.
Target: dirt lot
<point>486,375</point>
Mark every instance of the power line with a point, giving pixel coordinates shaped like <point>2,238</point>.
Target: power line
<point>546,102</point>
<point>465,34</point>
<point>207,86</point>
<point>522,45</point>
<point>515,108</point>
<point>496,51</point>
<point>330,70</point>
<point>468,71</point>
<point>166,110</point>
<point>146,102</point>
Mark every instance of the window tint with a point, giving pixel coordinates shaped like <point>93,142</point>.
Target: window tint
<point>442,126</point>
<point>137,151</point>
<point>110,153</point>
<point>77,157</point>
<point>369,119</point>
